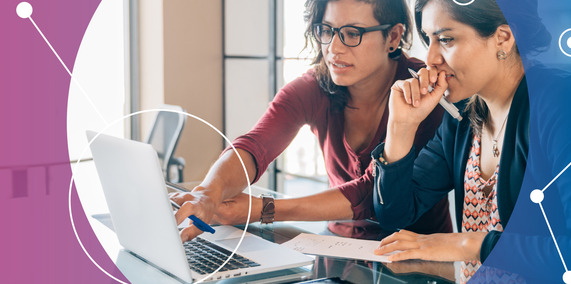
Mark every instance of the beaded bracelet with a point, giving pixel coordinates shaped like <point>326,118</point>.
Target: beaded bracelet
<point>382,160</point>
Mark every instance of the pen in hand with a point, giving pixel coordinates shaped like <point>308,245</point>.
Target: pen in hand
<point>448,106</point>
<point>196,221</point>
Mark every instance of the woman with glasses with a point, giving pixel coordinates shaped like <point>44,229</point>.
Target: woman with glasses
<point>472,53</point>
<point>344,100</point>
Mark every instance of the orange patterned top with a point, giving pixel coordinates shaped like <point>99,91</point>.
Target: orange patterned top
<point>480,209</point>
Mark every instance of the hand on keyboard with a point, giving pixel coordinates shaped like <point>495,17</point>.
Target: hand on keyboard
<point>193,203</point>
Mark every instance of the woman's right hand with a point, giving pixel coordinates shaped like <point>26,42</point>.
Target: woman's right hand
<point>410,102</point>
<point>197,203</point>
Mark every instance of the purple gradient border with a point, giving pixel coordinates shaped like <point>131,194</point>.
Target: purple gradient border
<point>37,243</point>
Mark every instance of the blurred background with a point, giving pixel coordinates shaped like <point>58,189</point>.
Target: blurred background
<point>220,60</point>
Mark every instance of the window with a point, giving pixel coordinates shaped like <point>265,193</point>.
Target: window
<point>100,71</point>
<point>303,167</point>
<point>263,41</point>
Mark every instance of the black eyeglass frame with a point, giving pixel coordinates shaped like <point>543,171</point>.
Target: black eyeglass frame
<point>341,36</point>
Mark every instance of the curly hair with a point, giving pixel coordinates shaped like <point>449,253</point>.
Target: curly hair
<point>385,12</point>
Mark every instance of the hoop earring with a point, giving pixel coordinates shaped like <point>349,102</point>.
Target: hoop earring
<point>502,55</point>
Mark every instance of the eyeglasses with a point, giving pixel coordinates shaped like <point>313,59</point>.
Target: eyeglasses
<point>350,35</point>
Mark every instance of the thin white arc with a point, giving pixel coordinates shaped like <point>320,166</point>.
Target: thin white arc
<point>464,4</point>
<point>157,110</point>
<point>553,236</point>
<point>67,69</point>
<point>79,241</point>
<point>560,46</point>
<point>557,176</point>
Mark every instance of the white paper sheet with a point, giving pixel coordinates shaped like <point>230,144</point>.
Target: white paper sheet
<point>336,247</point>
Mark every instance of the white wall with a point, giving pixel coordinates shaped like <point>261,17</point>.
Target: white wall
<point>98,95</point>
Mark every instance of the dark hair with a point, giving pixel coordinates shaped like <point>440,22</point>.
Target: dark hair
<point>385,12</point>
<point>485,17</point>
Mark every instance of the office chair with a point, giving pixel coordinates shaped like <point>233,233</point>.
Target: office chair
<point>164,136</point>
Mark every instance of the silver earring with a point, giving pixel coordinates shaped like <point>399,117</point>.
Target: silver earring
<point>502,55</point>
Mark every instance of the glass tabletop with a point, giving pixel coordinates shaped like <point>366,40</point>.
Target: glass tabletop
<point>356,271</point>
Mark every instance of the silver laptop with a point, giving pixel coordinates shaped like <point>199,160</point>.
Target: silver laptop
<point>134,187</point>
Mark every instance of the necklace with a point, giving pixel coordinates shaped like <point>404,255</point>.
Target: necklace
<point>495,149</point>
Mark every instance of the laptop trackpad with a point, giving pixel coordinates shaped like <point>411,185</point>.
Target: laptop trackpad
<point>248,244</point>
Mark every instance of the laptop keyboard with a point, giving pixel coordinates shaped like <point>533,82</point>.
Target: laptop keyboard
<point>205,257</point>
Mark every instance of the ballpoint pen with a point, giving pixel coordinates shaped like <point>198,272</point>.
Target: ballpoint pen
<point>196,221</point>
<point>448,106</point>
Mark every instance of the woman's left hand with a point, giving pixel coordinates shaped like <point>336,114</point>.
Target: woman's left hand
<point>438,247</point>
<point>435,268</point>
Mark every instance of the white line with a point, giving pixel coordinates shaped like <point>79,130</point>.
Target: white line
<point>66,69</point>
<point>560,173</point>
<point>552,236</point>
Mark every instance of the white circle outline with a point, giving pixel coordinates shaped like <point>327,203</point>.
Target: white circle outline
<point>463,4</point>
<point>157,110</point>
<point>560,38</point>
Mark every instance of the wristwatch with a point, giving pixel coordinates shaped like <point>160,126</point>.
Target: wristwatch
<point>268,209</point>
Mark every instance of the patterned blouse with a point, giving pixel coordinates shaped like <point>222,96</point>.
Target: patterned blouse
<point>480,210</point>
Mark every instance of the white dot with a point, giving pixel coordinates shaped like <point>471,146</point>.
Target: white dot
<point>567,277</point>
<point>536,196</point>
<point>24,10</point>
<point>569,42</point>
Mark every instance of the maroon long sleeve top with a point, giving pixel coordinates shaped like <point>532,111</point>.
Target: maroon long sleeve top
<point>302,102</point>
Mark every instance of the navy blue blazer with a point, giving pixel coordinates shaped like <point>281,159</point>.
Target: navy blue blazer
<point>538,132</point>
<point>405,189</point>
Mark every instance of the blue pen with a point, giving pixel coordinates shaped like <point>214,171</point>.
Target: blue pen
<point>196,221</point>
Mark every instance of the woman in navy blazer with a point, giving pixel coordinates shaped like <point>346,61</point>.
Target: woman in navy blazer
<point>471,50</point>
